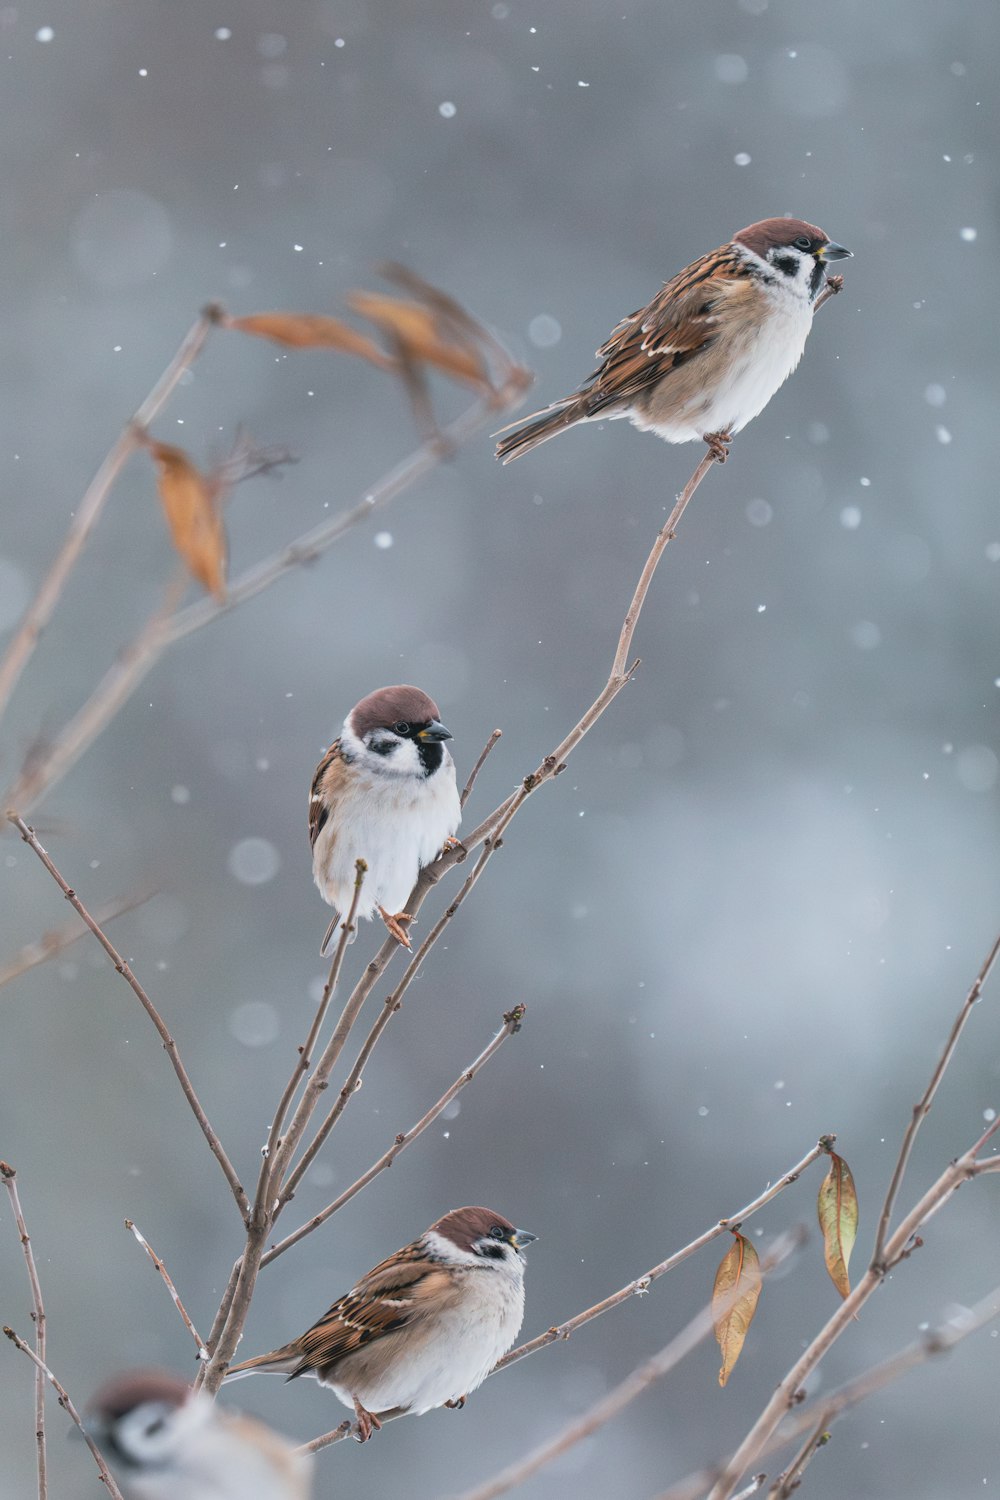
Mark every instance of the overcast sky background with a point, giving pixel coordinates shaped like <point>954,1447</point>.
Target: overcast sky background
<point>748,911</point>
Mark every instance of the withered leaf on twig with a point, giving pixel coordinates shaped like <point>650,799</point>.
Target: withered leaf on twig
<point>192,503</point>
<point>734,1300</point>
<point>312,331</point>
<point>419,333</point>
<point>837,1207</point>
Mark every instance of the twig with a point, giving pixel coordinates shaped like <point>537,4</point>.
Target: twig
<point>46,768</point>
<point>511,1025</point>
<point>641,1284</point>
<point>169,1045</point>
<point>157,1262</point>
<point>69,1408</point>
<point>755,1485</point>
<point>141,655</point>
<point>609,1406</point>
<point>389,1009</point>
<point>834,284</point>
<point>61,938</point>
<point>790,1478</point>
<point>473,774</point>
<point>922,1109</point>
<point>937,1341</point>
<point>87,513</point>
<point>898,1248</point>
<point>9,1175</point>
<point>274,1156</point>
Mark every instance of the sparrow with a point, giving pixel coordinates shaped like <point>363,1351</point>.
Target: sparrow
<point>167,1442</point>
<point>708,353</point>
<point>384,792</point>
<point>423,1329</point>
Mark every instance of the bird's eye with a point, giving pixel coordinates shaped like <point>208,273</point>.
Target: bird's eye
<point>498,1232</point>
<point>803,242</point>
<point>402,729</point>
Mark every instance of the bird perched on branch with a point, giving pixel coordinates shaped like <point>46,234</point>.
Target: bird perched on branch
<point>710,350</point>
<point>423,1329</point>
<point>384,792</point>
<point>167,1442</point>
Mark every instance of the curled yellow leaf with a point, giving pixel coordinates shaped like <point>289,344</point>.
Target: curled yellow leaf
<point>192,507</point>
<point>837,1207</point>
<point>312,331</point>
<point>423,336</point>
<point>734,1300</point>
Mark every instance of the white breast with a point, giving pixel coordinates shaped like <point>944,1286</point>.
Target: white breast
<point>458,1351</point>
<point>396,825</point>
<point>741,373</point>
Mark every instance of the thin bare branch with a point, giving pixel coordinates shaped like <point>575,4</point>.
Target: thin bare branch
<point>169,1045</point>
<point>161,1268</point>
<point>60,938</point>
<point>69,1408</point>
<point>310,546</point>
<point>161,630</point>
<point>611,1405</point>
<point>275,1157</point>
<point>756,1484</point>
<point>87,513</point>
<point>819,1414</point>
<point>9,1175</point>
<point>790,1478</point>
<point>474,773</point>
<point>641,1284</point>
<point>834,285</point>
<point>922,1108</point>
<point>511,1025</point>
<point>898,1248</point>
<point>48,765</point>
<point>389,1009</point>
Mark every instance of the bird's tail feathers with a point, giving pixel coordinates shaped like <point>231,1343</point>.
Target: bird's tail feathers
<point>538,428</point>
<point>328,938</point>
<point>278,1362</point>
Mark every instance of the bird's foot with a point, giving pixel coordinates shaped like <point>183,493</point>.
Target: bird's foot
<point>397,925</point>
<point>450,844</point>
<point>457,1404</point>
<point>367,1422</point>
<point>718,445</point>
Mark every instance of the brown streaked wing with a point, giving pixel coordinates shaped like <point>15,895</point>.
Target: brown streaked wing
<point>678,322</point>
<point>322,795</point>
<point>388,1298</point>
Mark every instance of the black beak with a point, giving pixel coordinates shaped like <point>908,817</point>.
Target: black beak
<point>522,1237</point>
<point>832,251</point>
<point>435,730</point>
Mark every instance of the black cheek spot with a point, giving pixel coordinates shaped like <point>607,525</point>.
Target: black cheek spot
<point>786,264</point>
<point>492,1250</point>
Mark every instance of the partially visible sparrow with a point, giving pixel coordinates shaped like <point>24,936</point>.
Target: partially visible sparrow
<point>710,350</point>
<point>384,792</point>
<point>422,1329</point>
<point>165,1441</point>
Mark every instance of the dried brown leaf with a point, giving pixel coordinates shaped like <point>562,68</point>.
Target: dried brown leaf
<point>418,331</point>
<point>312,331</point>
<point>734,1300</point>
<point>194,515</point>
<point>837,1207</point>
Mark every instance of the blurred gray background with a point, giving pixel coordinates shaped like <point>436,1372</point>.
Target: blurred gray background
<point>749,910</point>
